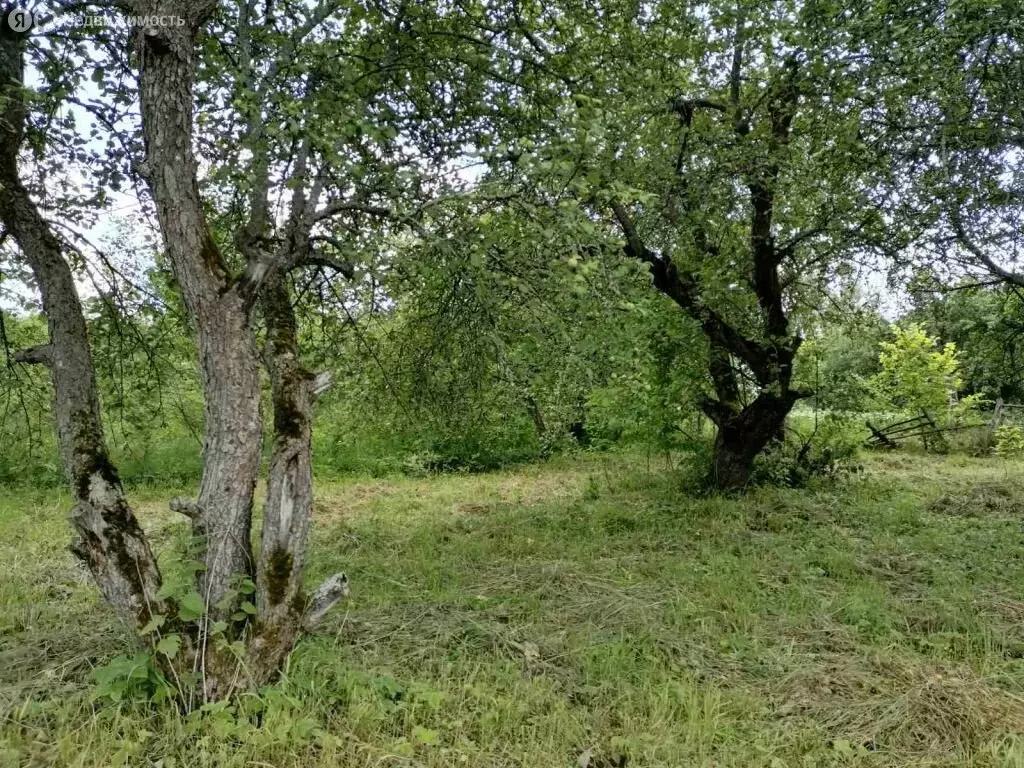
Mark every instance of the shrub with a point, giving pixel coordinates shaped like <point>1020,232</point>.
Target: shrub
<point>829,451</point>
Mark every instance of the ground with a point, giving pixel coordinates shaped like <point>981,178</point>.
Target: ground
<point>584,612</point>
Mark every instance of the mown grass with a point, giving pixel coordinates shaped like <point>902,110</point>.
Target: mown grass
<point>582,612</point>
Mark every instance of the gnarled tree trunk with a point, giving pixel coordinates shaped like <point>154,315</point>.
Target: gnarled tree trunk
<point>221,307</point>
<point>742,436</point>
<point>743,430</point>
<point>110,541</point>
<point>228,360</point>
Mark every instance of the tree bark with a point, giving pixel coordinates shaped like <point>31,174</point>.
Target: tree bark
<point>228,359</point>
<point>221,308</point>
<point>110,541</point>
<point>742,436</point>
<point>288,511</point>
<point>537,417</point>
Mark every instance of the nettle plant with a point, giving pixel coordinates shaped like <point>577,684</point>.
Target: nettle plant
<point>167,669</point>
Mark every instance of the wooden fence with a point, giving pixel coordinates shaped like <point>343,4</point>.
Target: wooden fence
<point>924,427</point>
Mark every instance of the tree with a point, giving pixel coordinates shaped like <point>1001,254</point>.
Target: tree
<point>110,541</point>
<point>954,120</point>
<point>317,152</point>
<point>723,142</point>
<point>841,355</point>
<point>986,324</point>
<point>290,139</point>
<point>917,375</point>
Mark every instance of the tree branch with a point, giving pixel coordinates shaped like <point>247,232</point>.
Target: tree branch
<point>320,259</point>
<point>350,206</point>
<point>41,355</point>
<point>1008,276</point>
<point>323,599</point>
<point>186,507</point>
<point>684,290</point>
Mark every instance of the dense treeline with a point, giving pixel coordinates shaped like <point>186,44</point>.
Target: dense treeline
<point>495,378</point>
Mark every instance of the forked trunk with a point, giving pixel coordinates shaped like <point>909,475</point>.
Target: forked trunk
<point>228,361</point>
<point>742,436</point>
<point>220,306</point>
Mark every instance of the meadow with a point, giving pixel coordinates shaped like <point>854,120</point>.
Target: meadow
<point>586,611</point>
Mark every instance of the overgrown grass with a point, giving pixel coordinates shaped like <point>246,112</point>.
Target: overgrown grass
<point>586,611</point>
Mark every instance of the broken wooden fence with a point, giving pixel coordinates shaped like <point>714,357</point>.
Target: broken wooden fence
<point>924,426</point>
<point>919,426</point>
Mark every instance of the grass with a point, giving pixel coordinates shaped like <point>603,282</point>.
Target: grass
<point>582,612</point>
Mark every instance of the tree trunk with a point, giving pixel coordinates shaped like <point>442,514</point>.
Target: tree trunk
<point>288,511</point>
<point>537,417</point>
<point>228,359</point>
<point>110,541</point>
<point>742,436</point>
<point>221,309</point>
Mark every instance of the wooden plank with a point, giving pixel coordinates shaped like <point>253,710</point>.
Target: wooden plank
<point>901,430</point>
<point>900,423</point>
<point>880,437</point>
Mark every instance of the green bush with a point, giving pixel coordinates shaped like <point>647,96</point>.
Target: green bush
<point>829,451</point>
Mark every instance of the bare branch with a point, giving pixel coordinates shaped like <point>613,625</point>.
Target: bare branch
<point>320,259</point>
<point>1013,278</point>
<point>323,599</point>
<point>42,355</point>
<point>186,507</point>
<point>322,382</point>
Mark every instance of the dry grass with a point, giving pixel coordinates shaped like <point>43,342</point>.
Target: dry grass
<point>903,707</point>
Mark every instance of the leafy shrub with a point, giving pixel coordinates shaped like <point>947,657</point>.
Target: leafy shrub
<point>830,451</point>
<point>1009,441</point>
<point>916,374</point>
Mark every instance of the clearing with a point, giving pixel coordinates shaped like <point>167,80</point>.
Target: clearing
<point>585,612</point>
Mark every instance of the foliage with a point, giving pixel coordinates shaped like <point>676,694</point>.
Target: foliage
<point>985,323</point>
<point>917,375</point>
<point>1009,441</point>
<point>27,447</point>
<point>830,451</point>
<point>839,357</point>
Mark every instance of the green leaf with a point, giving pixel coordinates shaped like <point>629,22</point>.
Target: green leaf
<point>154,623</point>
<point>426,736</point>
<point>191,606</point>
<point>248,607</point>
<point>169,645</point>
